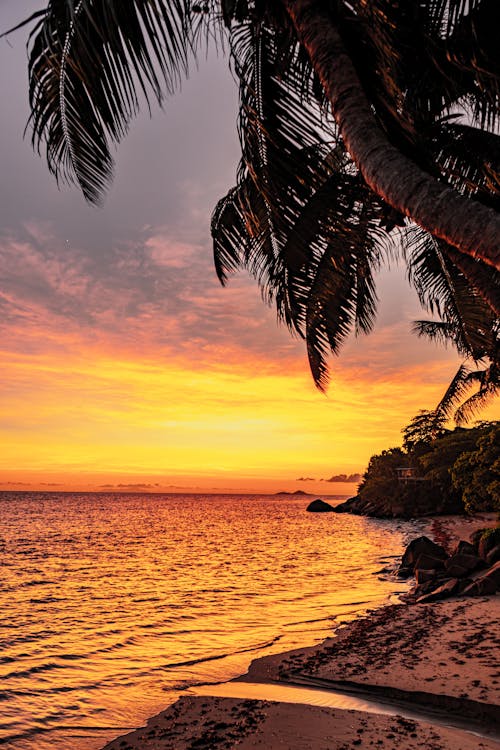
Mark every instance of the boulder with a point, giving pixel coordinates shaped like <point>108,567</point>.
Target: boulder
<point>493,573</point>
<point>349,506</point>
<point>493,556</point>
<point>489,540</point>
<point>461,564</point>
<point>480,587</point>
<point>404,572</point>
<point>456,571</point>
<point>487,583</point>
<point>476,536</point>
<point>464,548</point>
<point>447,589</point>
<point>423,588</point>
<point>429,562</point>
<point>423,576</point>
<point>419,546</point>
<point>319,506</point>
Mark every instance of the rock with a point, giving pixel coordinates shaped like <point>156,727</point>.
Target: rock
<point>487,583</point>
<point>442,592</point>
<point>419,546</point>
<point>480,587</point>
<point>460,564</point>
<point>493,555</point>
<point>494,573</point>
<point>489,540</point>
<point>476,536</point>
<point>349,506</point>
<point>423,576</point>
<point>464,548</point>
<point>462,584</point>
<point>319,506</point>
<point>423,588</point>
<point>456,571</point>
<point>429,562</point>
<point>404,572</point>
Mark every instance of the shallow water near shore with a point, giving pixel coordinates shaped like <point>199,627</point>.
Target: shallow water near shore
<point>112,604</point>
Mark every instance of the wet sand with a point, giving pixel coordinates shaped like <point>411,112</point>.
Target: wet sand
<point>442,657</point>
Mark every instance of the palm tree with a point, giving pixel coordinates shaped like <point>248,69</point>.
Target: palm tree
<point>414,90</point>
<point>466,317</point>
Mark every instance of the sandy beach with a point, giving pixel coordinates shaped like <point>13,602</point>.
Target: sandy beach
<point>430,674</point>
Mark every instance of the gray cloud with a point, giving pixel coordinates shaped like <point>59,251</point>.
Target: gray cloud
<point>343,478</point>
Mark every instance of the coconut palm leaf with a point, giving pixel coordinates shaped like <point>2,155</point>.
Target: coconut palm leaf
<point>465,318</point>
<point>487,382</point>
<point>484,279</point>
<point>88,61</point>
<point>456,391</point>
<point>426,59</point>
<point>300,219</point>
<point>477,402</point>
<point>470,159</point>
<point>340,296</point>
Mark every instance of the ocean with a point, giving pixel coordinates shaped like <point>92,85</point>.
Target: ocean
<point>112,604</point>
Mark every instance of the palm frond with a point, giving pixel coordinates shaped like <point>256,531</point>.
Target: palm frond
<point>230,235</point>
<point>421,63</point>
<point>88,61</point>
<point>484,279</point>
<point>466,319</point>
<point>436,330</point>
<point>469,158</point>
<point>300,219</point>
<point>476,403</point>
<point>37,16</point>
<point>456,391</point>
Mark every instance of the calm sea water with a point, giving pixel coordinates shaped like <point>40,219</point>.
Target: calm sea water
<point>112,604</point>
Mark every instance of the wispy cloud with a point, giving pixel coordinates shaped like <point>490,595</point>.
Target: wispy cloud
<point>342,478</point>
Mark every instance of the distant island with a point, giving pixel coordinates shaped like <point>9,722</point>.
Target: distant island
<point>297,492</point>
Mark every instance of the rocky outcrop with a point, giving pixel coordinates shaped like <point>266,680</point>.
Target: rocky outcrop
<point>471,569</point>
<point>319,506</point>
<point>411,501</point>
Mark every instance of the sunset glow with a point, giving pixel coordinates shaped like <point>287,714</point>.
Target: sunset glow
<point>126,364</point>
<point>95,409</point>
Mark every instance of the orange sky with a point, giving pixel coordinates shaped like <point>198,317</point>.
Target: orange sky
<point>140,401</point>
<point>125,363</point>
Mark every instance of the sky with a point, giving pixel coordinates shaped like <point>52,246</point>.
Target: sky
<point>125,364</point>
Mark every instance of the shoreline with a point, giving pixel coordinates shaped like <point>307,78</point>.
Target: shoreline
<point>438,656</point>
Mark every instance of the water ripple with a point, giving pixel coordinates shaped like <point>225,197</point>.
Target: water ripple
<point>111,603</point>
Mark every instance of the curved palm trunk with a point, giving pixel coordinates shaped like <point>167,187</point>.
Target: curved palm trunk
<point>467,225</point>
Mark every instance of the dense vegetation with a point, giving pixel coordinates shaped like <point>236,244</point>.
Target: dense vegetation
<point>453,471</point>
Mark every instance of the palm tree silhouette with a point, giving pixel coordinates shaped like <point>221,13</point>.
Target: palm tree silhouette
<point>355,119</point>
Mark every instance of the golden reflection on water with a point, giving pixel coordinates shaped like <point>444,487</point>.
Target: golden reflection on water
<point>112,603</point>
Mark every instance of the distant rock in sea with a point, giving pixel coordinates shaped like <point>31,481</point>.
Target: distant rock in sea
<point>319,506</point>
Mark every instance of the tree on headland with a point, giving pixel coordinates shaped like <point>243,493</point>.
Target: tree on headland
<point>425,427</point>
<point>477,473</point>
<point>450,471</point>
<point>414,90</point>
